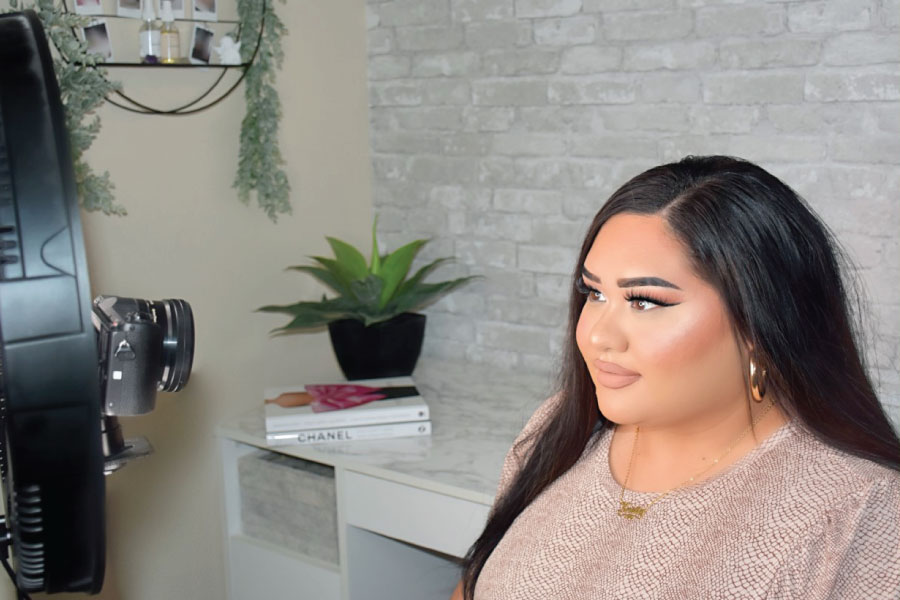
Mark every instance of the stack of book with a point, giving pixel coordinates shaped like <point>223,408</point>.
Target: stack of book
<point>369,409</point>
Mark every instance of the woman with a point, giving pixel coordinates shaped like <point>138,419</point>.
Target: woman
<point>716,434</point>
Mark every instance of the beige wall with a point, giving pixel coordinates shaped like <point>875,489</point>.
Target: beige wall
<point>187,236</point>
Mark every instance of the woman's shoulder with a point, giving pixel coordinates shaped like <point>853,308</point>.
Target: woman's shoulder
<point>539,418</point>
<point>543,412</point>
<point>828,477</point>
<point>835,463</point>
<point>524,442</point>
<point>837,514</point>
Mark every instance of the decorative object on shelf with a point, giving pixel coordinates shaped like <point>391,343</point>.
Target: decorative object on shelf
<point>205,10</point>
<point>88,7</point>
<point>129,8</point>
<point>373,329</point>
<point>97,37</point>
<point>83,85</point>
<point>229,51</point>
<point>201,44</point>
<point>169,38</point>
<point>259,156</point>
<point>149,34</point>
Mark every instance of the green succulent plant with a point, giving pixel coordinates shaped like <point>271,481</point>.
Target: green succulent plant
<point>368,291</point>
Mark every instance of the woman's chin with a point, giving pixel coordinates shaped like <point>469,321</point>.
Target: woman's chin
<point>616,411</point>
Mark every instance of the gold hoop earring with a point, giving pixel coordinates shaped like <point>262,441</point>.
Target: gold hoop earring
<point>757,381</point>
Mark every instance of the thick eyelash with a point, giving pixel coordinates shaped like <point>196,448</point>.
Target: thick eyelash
<point>582,287</point>
<point>631,297</point>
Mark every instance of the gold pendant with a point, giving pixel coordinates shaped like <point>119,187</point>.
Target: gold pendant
<point>631,511</point>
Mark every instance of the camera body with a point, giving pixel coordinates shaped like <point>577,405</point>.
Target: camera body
<point>144,346</point>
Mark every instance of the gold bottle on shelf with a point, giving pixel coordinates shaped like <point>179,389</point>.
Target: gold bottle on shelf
<point>169,40</point>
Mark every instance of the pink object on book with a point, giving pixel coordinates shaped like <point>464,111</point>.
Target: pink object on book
<point>340,396</point>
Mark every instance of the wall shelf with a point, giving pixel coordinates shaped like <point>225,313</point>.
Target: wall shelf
<point>132,65</point>
<point>206,99</point>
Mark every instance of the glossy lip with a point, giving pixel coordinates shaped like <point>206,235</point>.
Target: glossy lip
<point>613,376</point>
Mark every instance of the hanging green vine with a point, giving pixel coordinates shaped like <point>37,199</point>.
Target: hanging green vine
<point>83,86</point>
<point>259,158</point>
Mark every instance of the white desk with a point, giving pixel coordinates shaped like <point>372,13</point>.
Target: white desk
<point>407,509</point>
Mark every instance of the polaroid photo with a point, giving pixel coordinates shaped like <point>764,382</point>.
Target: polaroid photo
<point>177,8</point>
<point>88,7</point>
<point>205,10</point>
<point>96,35</point>
<point>129,8</point>
<point>201,45</point>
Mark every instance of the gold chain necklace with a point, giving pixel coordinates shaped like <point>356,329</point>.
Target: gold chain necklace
<point>628,510</point>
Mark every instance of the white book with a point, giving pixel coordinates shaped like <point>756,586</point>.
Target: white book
<point>350,434</point>
<point>397,401</point>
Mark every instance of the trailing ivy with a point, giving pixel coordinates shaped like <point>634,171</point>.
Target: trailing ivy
<point>259,158</point>
<point>83,86</point>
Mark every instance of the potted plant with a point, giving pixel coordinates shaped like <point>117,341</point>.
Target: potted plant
<point>373,327</point>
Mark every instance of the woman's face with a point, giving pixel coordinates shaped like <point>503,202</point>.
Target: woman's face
<point>655,337</point>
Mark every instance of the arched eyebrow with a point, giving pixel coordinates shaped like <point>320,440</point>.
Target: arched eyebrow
<point>633,281</point>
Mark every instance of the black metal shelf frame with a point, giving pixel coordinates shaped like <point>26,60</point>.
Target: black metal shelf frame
<point>191,107</point>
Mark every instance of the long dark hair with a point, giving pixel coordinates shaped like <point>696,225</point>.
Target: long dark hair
<point>785,283</point>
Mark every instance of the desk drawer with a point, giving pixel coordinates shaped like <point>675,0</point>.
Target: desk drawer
<point>428,519</point>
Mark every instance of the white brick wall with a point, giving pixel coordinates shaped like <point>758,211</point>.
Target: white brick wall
<point>499,127</point>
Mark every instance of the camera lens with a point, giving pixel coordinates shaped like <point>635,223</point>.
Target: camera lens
<point>177,323</point>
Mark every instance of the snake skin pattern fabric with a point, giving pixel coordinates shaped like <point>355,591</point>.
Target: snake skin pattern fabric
<point>792,519</point>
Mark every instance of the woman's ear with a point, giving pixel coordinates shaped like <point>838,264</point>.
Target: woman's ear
<point>745,346</point>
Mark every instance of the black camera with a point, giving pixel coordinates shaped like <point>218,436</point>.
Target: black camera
<point>144,346</point>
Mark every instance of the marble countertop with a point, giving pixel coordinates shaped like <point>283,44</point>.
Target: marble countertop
<point>476,413</point>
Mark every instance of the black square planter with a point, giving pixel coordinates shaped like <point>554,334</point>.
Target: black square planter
<point>386,349</point>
